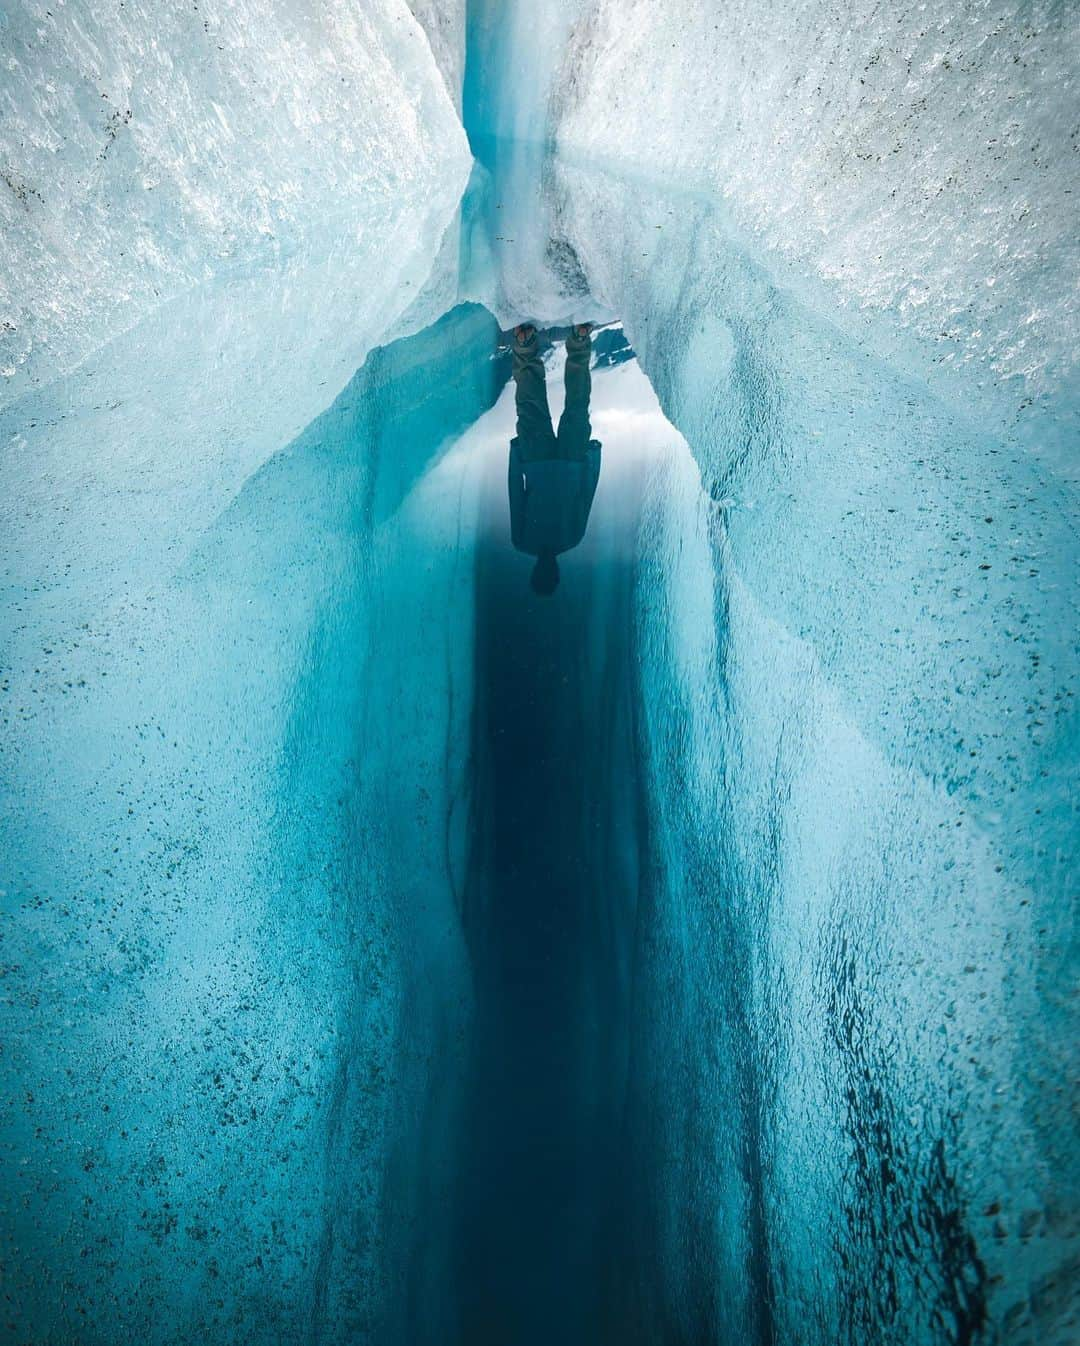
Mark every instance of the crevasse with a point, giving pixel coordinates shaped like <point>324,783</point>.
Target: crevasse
<point>390,960</point>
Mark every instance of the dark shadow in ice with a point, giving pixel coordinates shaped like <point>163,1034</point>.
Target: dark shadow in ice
<point>555,869</point>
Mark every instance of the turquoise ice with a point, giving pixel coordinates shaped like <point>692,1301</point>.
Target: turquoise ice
<point>393,955</point>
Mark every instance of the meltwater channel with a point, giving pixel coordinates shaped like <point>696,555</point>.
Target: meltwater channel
<point>537,712</point>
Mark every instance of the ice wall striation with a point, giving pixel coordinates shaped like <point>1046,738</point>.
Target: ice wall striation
<point>520,265</point>
<point>142,154</point>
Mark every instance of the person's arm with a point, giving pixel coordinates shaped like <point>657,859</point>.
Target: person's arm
<point>515,485</point>
<point>592,473</point>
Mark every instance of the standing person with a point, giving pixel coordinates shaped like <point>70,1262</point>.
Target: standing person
<point>553,476</point>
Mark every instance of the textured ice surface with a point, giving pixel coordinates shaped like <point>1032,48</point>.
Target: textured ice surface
<point>515,54</point>
<point>444,23</point>
<point>916,161</point>
<point>516,260</point>
<point>145,151</point>
<point>249,236</point>
<point>213,1027</point>
<point>824,723</point>
<point>862,794</point>
<point>232,818</point>
<point>842,249</point>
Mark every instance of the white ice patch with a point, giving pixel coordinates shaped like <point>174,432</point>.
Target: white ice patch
<point>145,152</point>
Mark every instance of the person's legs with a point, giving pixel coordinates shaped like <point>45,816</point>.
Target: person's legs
<point>574,426</point>
<point>530,395</point>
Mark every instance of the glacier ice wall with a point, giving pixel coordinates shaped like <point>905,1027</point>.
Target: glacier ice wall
<point>515,53</point>
<point>235,781</point>
<point>143,154</point>
<point>209,219</point>
<point>862,804</point>
<point>443,22</point>
<point>233,820</point>
<point>841,247</point>
<point>914,172</point>
<point>218,275</point>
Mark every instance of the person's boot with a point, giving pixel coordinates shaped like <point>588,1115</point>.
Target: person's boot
<point>579,339</point>
<point>579,343</point>
<point>524,338</point>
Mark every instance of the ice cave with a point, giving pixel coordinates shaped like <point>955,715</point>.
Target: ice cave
<point>538,671</point>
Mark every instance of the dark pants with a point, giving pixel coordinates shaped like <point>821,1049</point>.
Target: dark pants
<point>536,437</point>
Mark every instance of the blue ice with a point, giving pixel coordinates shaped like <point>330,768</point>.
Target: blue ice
<point>396,954</point>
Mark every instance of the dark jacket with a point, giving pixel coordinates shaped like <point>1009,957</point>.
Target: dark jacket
<point>550,499</point>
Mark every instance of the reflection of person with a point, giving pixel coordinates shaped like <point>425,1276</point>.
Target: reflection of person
<point>552,476</point>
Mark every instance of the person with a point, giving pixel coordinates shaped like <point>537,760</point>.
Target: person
<point>552,476</point>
